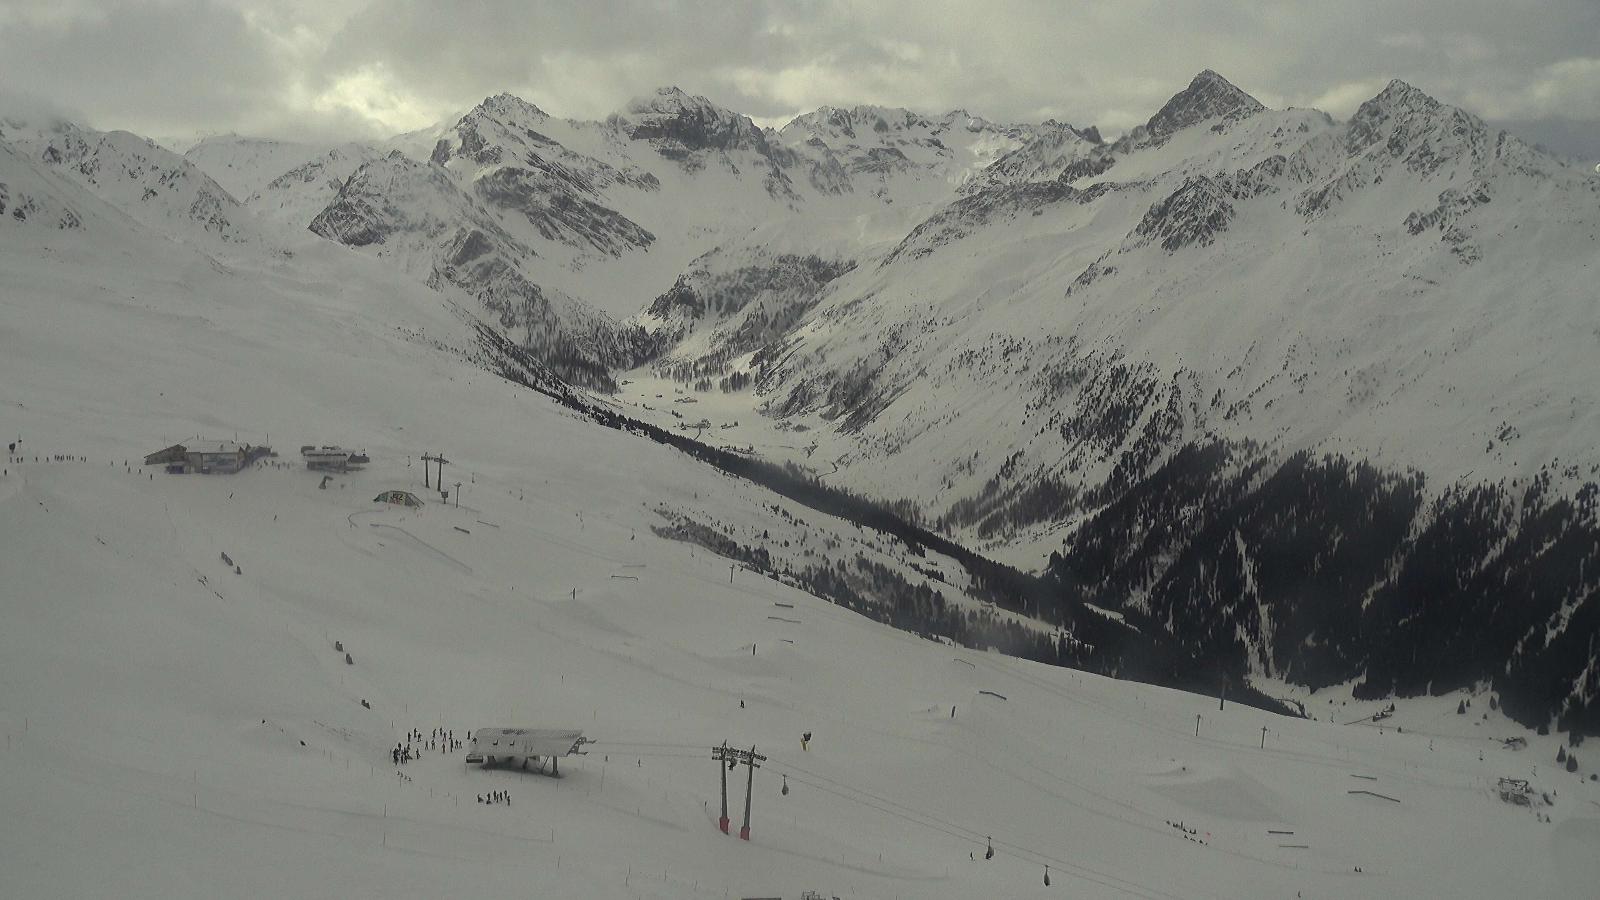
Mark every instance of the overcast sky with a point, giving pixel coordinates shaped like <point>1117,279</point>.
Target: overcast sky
<point>372,68</point>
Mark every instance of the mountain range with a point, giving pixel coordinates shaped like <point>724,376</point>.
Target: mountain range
<point>1315,398</point>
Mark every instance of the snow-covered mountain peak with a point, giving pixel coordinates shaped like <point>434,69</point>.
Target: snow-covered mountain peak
<point>149,182</point>
<point>665,97</point>
<point>1090,133</point>
<point>508,108</point>
<point>675,101</point>
<point>1208,96</point>
<point>1428,136</point>
<point>851,122</point>
<point>1055,150</point>
<point>1398,101</point>
<point>1398,94</point>
<point>679,123</point>
<point>960,118</point>
<point>867,123</point>
<point>487,131</point>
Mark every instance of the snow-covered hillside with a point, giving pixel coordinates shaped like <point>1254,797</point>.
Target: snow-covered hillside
<point>295,197</point>
<point>1122,363</point>
<point>1256,400</point>
<point>30,198</point>
<point>1391,315</point>
<point>152,184</point>
<point>246,165</point>
<point>609,214</point>
<point>175,725</point>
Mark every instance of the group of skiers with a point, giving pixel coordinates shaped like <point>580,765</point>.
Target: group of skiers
<point>14,457</point>
<point>441,739</point>
<point>496,797</point>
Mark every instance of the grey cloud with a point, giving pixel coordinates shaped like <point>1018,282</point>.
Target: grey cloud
<point>164,66</point>
<point>146,65</point>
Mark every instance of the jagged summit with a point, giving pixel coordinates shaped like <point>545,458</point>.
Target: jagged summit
<point>1397,98</point>
<point>673,99</point>
<point>1208,96</point>
<point>506,105</point>
<point>1430,134</point>
<point>853,121</point>
<point>681,122</point>
<point>894,116</point>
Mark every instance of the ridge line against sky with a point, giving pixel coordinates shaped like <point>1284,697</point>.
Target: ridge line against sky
<point>367,69</point>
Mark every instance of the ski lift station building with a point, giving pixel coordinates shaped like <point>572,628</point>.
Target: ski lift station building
<point>524,746</point>
<point>206,457</point>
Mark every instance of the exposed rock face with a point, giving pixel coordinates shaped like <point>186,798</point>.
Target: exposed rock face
<point>559,213</point>
<point>678,124</point>
<point>417,211</point>
<point>1193,214</point>
<point>732,307</point>
<point>1209,96</point>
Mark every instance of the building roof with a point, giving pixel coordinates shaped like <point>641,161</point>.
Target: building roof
<point>216,447</point>
<point>500,741</point>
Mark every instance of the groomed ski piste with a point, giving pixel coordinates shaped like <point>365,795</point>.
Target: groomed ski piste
<point>177,727</point>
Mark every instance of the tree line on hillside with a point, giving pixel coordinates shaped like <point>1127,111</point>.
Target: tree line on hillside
<point>1323,570</point>
<point>1135,648</point>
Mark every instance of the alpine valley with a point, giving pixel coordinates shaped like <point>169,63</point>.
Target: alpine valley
<point>1298,402</point>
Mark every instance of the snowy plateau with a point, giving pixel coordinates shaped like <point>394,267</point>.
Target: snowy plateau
<point>986,454</point>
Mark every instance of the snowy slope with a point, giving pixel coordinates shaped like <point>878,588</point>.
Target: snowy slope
<point>175,727</point>
<point>30,198</point>
<point>1230,267</point>
<point>898,155</point>
<point>1122,364</point>
<point>244,165</point>
<point>1382,322</point>
<point>148,182</point>
<point>295,196</point>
